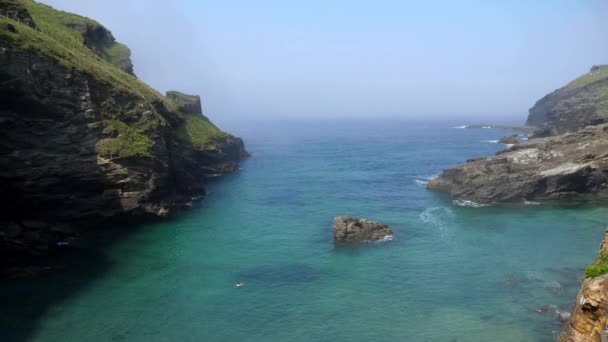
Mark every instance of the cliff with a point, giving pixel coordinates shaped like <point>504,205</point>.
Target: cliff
<point>567,157</point>
<point>581,103</point>
<point>589,318</point>
<point>83,139</point>
<point>568,166</point>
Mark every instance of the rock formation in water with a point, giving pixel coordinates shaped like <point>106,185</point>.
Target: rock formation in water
<point>352,229</point>
<point>589,318</point>
<point>83,140</point>
<point>573,164</point>
<point>583,102</point>
<point>509,139</point>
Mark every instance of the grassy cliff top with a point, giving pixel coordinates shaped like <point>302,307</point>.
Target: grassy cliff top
<point>83,45</point>
<point>597,73</point>
<point>59,35</point>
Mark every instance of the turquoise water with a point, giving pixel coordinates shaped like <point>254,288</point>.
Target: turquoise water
<point>450,274</point>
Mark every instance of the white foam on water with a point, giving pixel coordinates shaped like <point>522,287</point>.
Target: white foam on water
<point>438,218</point>
<point>385,239</point>
<point>490,141</point>
<point>423,181</point>
<point>460,127</point>
<point>467,203</point>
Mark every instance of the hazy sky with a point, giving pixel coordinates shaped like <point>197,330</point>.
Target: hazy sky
<point>470,59</point>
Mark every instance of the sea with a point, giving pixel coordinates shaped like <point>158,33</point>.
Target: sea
<point>453,271</point>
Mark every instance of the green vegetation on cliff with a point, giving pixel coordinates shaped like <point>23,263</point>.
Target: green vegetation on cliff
<point>599,267</point>
<point>597,73</point>
<point>128,141</point>
<point>58,37</point>
<point>83,45</point>
<point>200,132</point>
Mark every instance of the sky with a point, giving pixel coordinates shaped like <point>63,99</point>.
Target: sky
<point>479,60</point>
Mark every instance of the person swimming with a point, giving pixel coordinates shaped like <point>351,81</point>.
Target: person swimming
<point>240,284</point>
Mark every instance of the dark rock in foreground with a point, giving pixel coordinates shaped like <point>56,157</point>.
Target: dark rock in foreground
<point>509,139</point>
<point>352,229</point>
<point>565,166</point>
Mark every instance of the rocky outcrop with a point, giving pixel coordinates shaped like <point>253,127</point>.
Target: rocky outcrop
<point>581,103</point>
<point>190,104</point>
<point>589,318</point>
<point>352,229</point>
<point>572,165</point>
<point>83,141</point>
<point>17,12</point>
<point>509,139</point>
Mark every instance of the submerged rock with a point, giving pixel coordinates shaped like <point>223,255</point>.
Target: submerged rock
<point>352,229</point>
<point>509,139</point>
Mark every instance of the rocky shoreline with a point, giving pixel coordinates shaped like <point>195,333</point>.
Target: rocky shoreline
<point>563,167</point>
<point>565,159</point>
<point>84,141</point>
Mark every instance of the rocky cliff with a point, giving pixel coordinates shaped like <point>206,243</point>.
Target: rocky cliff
<point>568,166</point>
<point>568,158</point>
<point>581,103</point>
<point>589,318</point>
<point>84,140</point>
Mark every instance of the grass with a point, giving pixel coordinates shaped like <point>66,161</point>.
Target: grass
<point>588,78</point>
<point>57,40</point>
<point>129,142</point>
<point>599,267</point>
<point>200,132</point>
<point>65,45</point>
<point>116,54</point>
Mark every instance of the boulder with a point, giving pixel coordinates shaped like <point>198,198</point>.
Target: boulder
<point>352,229</point>
<point>509,139</point>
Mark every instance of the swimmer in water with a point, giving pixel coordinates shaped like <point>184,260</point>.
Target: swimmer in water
<point>239,284</point>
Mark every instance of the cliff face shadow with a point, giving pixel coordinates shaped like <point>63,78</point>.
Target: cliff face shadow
<point>52,190</point>
<point>25,301</point>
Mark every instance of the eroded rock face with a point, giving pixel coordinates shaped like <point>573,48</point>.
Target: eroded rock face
<point>589,316</point>
<point>352,229</point>
<point>572,165</point>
